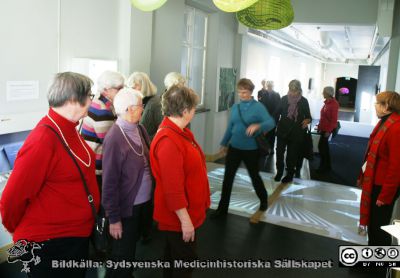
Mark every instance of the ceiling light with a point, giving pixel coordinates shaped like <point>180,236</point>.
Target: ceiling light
<point>148,5</point>
<point>231,6</point>
<point>267,15</point>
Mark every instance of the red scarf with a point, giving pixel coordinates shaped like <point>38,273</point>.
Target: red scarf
<point>367,178</point>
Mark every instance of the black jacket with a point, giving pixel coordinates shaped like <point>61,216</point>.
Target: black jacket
<point>288,127</point>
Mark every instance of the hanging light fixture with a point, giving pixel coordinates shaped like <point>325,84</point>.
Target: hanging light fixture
<point>267,15</point>
<point>148,5</point>
<point>231,6</point>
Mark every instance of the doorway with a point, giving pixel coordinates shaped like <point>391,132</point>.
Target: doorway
<point>345,94</point>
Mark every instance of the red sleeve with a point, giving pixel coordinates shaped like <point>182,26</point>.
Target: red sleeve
<point>27,177</point>
<point>392,178</point>
<point>172,176</point>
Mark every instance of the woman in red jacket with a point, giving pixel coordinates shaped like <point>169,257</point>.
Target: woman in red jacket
<point>327,123</point>
<point>182,193</point>
<point>380,175</point>
<point>44,200</point>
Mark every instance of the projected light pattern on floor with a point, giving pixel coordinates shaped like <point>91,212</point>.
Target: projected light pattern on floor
<point>325,209</point>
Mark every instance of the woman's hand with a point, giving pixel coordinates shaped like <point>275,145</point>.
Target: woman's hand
<point>252,129</point>
<point>187,231</point>
<point>379,203</point>
<point>186,225</point>
<point>305,123</point>
<point>116,230</point>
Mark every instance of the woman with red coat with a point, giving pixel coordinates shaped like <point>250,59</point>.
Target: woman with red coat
<point>380,175</point>
<point>182,193</point>
<point>44,200</point>
<point>327,123</point>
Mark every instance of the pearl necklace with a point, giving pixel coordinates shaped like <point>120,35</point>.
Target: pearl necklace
<point>123,133</point>
<point>66,143</point>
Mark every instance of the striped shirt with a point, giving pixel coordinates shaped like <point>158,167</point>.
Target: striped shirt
<point>101,117</point>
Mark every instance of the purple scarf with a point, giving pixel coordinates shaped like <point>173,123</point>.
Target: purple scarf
<point>293,109</point>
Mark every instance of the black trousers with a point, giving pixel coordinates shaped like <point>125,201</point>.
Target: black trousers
<point>251,161</point>
<point>125,248</point>
<point>294,158</point>
<point>175,250</point>
<point>379,216</point>
<point>54,251</point>
<point>323,148</point>
<point>271,138</point>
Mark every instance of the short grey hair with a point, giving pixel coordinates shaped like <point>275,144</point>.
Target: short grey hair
<point>110,79</point>
<point>125,98</point>
<point>147,87</point>
<point>176,99</point>
<point>174,78</point>
<point>69,87</point>
<point>329,90</point>
<point>295,85</point>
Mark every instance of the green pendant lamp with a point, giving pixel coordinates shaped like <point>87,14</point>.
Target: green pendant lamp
<point>267,15</point>
<point>148,5</point>
<point>231,6</point>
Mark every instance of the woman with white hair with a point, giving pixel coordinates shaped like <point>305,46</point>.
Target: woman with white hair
<point>295,116</point>
<point>127,181</point>
<point>327,123</point>
<point>152,115</point>
<point>101,115</point>
<point>174,78</point>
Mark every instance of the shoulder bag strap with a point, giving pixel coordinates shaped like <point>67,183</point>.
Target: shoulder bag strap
<point>240,115</point>
<point>89,196</point>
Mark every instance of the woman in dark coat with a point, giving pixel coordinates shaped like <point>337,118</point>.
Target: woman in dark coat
<point>294,113</point>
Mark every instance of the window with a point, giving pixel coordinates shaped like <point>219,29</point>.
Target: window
<point>194,48</point>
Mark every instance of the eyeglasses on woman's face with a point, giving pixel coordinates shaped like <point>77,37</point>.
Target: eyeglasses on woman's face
<point>135,105</point>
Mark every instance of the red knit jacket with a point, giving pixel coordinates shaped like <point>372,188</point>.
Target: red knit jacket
<point>44,197</point>
<point>179,167</point>
<point>329,116</point>
<point>387,168</point>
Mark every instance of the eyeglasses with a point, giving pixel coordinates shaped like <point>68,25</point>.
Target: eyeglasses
<point>138,105</point>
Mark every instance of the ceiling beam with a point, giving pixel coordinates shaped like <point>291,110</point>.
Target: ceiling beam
<point>343,12</point>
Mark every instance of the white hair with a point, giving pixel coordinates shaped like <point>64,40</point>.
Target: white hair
<point>125,98</point>
<point>329,90</point>
<point>174,78</point>
<point>110,79</point>
<point>147,87</point>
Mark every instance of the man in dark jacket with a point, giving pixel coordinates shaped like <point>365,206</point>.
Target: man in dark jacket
<point>270,99</point>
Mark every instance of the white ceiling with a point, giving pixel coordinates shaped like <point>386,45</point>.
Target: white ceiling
<point>335,41</point>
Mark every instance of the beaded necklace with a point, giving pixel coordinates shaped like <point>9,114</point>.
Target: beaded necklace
<point>66,143</point>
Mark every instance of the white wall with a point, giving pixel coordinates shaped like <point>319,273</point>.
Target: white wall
<point>42,38</point>
<point>221,53</point>
<point>88,30</point>
<point>28,51</point>
<point>333,71</point>
<point>257,63</point>
<point>167,40</point>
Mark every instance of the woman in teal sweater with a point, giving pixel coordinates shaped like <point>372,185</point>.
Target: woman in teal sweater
<point>248,119</point>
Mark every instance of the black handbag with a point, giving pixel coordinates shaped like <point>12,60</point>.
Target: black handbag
<point>336,130</point>
<point>308,149</point>
<point>262,142</point>
<point>100,236</point>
